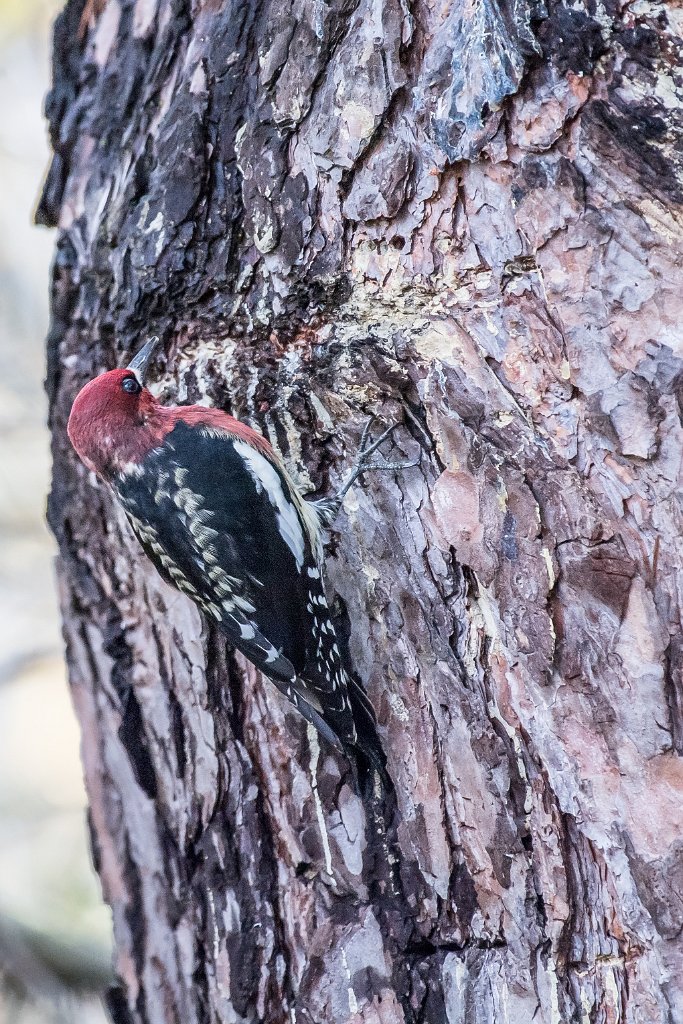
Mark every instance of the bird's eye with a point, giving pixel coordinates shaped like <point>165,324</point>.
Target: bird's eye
<point>131,385</point>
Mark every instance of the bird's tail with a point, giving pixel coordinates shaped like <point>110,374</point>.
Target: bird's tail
<point>368,751</point>
<point>377,790</point>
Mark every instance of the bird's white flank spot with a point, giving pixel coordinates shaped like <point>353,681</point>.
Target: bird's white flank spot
<point>242,603</point>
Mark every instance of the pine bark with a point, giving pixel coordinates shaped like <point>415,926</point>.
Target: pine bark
<point>463,217</point>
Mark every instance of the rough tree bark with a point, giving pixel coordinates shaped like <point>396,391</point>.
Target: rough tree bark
<point>467,215</point>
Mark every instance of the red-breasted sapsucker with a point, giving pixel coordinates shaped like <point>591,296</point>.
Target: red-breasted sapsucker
<point>220,518</point>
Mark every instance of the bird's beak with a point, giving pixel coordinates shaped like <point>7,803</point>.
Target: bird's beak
<point>142,360</point>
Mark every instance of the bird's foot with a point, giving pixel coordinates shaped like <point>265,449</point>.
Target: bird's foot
<point>364,463</point>
<point>329,507</point>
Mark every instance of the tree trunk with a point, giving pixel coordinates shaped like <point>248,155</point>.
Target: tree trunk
<point>463,217</point>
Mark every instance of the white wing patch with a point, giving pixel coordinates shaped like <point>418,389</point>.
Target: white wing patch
<point>266,478</point>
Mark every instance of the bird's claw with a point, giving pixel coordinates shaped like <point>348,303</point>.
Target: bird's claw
<point>328,508</point>
<point>363,463</point>
<point>383,464</point>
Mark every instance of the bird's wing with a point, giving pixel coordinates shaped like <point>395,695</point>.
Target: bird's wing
<point>218,520</point>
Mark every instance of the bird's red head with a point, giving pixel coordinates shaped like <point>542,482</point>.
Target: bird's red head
<point>113,421</point>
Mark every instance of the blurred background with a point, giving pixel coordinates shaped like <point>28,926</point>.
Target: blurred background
<point>54,929</point>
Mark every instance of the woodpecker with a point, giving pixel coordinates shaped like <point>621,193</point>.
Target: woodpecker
<point>219,516</point>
